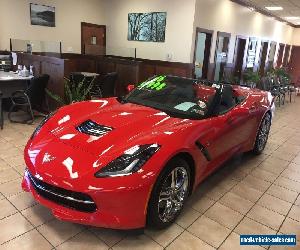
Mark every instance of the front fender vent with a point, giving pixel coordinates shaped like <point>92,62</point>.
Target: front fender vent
<point>92,128</point>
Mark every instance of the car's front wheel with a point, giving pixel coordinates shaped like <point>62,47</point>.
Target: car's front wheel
<point>169,193</point>
<point>263,134</point>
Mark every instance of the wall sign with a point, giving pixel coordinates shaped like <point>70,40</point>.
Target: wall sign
<point>42,15</point>
<point>251,52</point>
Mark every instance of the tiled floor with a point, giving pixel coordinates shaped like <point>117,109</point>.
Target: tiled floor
<point>250,195</point>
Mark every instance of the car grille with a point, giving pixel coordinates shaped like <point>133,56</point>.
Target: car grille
<point>92,128</point>
<point>75,200</point>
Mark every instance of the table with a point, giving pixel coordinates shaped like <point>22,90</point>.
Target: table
<point>9,83</point>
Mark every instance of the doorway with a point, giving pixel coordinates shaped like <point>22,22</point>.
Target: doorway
<point>263,57</point>
<point>239,57</point>
<point>202,52</point>
<point>280,55</point>
<point>286,55</point>
<point>221,55</point>
<point>93,39</point>
<point>271,56</point>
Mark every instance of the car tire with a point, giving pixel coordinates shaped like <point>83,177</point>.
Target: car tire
<point>168,197</point>
<point>262,134</point>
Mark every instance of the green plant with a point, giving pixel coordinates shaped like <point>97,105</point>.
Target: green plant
<point>251,77</point>
<point>73,92</point>
<point>282,72</point>
<point>278,73</point>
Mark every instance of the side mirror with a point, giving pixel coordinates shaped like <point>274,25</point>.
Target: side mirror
<point>130,87</point>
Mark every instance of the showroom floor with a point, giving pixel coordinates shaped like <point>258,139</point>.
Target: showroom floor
<point>250,195</point>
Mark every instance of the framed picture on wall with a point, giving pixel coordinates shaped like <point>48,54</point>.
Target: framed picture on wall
<point>42,15</point>
<point>149,27</point>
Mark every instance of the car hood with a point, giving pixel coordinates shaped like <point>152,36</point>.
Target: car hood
<point>129,125</point>
<point>121,125</point>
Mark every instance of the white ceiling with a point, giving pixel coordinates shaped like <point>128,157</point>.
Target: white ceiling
<point>290,8</point>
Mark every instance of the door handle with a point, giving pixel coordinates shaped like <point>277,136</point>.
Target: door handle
<point>252,109</point>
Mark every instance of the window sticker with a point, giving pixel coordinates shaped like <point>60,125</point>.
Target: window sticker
<point>185,106</point>
<point>156,83</point>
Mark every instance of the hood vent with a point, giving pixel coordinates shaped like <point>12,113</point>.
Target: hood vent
<point>92,128</point>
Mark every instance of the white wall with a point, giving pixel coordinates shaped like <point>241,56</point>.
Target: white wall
<point>296,37</point>
<point>15,21</point>
<point>180,17</point>
<point>183,16</point>
<point>226,16</point>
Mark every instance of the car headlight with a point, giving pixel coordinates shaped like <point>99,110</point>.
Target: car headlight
<point>130,162</point>
<point>38,128</point>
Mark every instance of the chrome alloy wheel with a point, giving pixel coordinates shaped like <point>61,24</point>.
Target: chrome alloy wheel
<point>173,193</point>
<point>264,132</point>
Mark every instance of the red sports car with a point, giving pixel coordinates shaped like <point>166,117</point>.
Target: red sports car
<point>129,162</point>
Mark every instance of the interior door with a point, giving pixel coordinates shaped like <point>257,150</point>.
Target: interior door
<point>240,50</point>
<point>271,56</point>
<point>263,57</point>
<point>286,55</point>
<point>93,39</point>
<point>202,53</point>
<point>280,55</point>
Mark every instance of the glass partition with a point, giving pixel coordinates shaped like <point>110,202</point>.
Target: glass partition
<point>35,46</point>
<point>98,50</point>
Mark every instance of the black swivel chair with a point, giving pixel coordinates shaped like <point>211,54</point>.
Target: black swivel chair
<point>32,98</point>
<point>105,86</point>
<point>77,77</point>
<point>1,111</point>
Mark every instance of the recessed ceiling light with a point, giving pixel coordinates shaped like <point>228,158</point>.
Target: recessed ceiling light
<point>274,8</point>
<point>292,18</point>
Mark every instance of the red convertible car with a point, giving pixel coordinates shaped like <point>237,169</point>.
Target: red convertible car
<point>130,162</point>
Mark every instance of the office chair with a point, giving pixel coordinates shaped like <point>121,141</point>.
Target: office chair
<point>105,86</point>
<point>32,98</point>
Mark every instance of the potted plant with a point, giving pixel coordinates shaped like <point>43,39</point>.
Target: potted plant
<point>251,78</point>
<point>73,92</point>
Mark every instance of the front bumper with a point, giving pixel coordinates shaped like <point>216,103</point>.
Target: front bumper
<point>118,209</point>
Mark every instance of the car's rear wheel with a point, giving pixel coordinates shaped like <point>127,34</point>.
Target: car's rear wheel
<point>169,193</point>
<point>263,134</point>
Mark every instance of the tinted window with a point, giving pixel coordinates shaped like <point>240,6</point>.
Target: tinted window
<point>178,97</point>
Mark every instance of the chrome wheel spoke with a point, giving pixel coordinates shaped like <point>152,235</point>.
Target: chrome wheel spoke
<point>263,133</point>
<point>173,193</point>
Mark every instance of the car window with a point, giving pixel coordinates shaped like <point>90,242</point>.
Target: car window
<point>177,96</point>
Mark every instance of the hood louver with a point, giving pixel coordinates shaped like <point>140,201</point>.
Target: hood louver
<point>92,128</point>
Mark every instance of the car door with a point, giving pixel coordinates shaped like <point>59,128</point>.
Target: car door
<point>229,130</point>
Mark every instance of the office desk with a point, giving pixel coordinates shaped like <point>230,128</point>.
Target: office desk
<point>9,83</point>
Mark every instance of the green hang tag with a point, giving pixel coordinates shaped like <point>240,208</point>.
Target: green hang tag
<point>155,84</point>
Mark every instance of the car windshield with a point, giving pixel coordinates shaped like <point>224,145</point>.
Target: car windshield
<point>176,96</point>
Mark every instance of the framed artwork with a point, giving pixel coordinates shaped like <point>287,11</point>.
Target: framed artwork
<point>42,15</point>
<point>149,27</point>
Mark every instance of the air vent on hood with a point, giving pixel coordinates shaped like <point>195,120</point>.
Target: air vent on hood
<point>92,128</point>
